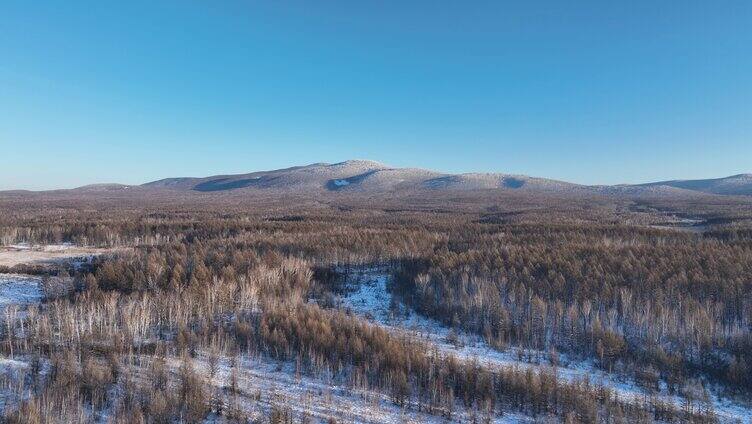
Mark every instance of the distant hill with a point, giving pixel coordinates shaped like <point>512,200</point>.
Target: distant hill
<point>314,176</point>
<point>740,184</point>
<point>369,177</point>
<point>361,176</point>
<point>366,176</point>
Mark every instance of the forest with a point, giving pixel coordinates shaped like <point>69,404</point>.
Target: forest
<point>141,334</point>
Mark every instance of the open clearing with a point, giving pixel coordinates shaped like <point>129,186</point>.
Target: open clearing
<point>19,290</point>
<point>25,254</point>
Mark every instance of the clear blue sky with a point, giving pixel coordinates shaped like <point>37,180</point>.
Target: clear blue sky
<point>585,91</point>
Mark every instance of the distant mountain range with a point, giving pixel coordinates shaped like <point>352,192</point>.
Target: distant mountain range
<point>363,176</point>
<point>740,184</point>
<point>370,176</point>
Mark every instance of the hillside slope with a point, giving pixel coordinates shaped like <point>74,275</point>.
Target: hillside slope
<point>363,176</point>
<point>740,184</point>
<point>368,178</point>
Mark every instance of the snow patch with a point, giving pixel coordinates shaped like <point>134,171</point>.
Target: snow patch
<point>20,246</point>
<point>19,290</point>
<point>264,382</point>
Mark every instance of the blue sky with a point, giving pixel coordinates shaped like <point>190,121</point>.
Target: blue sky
<point>586,91</point>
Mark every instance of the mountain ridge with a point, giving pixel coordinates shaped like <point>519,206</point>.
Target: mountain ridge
<point>371,177</point>
<point>739,184</point>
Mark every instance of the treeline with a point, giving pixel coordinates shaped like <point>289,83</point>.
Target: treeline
<point>322,239</point>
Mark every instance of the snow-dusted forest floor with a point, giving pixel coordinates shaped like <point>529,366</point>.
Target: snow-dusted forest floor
<point>368,296</point>
<point>16,289</point>
<point>264,384</point>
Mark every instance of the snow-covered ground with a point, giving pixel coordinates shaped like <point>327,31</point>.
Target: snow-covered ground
<point>369,297</point>
<point>264,383</point>
<point>51,254</point>
<point>19,290</point>
<point>11,370</point>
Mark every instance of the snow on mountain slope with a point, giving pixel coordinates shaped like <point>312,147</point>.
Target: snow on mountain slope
<point>740,184</point>
<point>388,179</point>
<point>478,181</point>
<point>360,176</point>
<point>366,176</point>
<point>316,175</point>
<point>369,177</point>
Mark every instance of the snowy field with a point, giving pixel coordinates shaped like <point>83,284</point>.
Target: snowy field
<point>369,297</point>
<point>53,254</point>
<point>19,290</point>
